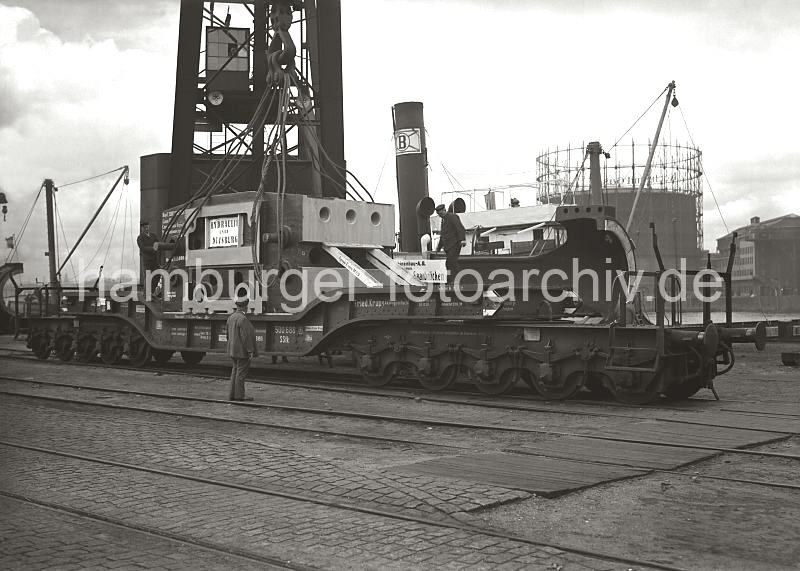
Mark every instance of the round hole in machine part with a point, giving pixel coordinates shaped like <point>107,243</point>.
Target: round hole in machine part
<point>350,216</point>
<point>324,213</point>
<point>315,255</point>
<point>376,218</point>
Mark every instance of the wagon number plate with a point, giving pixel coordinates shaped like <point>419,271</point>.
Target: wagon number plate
<point>532,334</point>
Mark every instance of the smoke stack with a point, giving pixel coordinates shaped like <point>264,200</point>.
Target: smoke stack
<point>411,157</point>
<point>755,220</point>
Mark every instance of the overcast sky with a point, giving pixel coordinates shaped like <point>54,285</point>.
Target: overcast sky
<point>87,85</point>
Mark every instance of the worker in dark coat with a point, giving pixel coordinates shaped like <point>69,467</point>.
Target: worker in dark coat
<point>147,248</point>
<point>148,254</point>
<point>241,348</point>
<point>452,238</point>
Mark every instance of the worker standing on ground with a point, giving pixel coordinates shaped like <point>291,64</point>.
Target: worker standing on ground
<point>241,348</point>
<point>452,238</point>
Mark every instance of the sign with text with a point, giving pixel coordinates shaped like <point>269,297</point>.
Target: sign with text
<point>407,141</point>
<point>172,228</point>
<point>429,271</point>
<point>223,232</point>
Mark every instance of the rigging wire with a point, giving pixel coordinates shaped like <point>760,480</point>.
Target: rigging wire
<point>124,233</point>
<point>343,171</point>
<point>639,119</point>
<point>21,231</point>
<point>113,227</point>
<point>385,160</point>
<point>60,222</point>
<point>705,174</point>
<point>217,180</point>
<point>55,223</point>
<point>452,178</point>
<point>134,266</point>
<point>105,236</point>
<point>273,140</point>
<point>89,178</point>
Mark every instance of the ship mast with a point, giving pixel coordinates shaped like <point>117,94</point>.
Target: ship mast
<point>49,194</point>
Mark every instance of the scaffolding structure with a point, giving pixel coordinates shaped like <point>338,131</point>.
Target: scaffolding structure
<point>563,174</point>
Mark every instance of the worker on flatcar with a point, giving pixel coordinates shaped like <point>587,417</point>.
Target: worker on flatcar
<point>148,254</point>
<point>241,348</point>
<point>452,238</point>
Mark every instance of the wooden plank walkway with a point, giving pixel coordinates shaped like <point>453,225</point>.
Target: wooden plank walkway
<point>660,432</point>
<point>538,474</point>
<point>776,408</point>
<point>738,419</point>
<point>631,454</point>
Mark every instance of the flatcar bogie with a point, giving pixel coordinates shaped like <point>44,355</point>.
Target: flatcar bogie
<point>192,357</point>
<point>162,356</point>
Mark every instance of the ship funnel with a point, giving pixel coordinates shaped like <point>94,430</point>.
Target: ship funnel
<point>411,157</point>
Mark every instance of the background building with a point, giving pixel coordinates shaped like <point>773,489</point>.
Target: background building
<point>767,259</point>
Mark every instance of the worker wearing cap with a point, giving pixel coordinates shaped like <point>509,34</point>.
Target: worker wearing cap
<point>241,348</point>
<point>452,238</point>
<point>147,249</point>
<point>148,253</point>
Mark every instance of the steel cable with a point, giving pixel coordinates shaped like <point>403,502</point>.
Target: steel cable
<point>89,178</point>
<point>21,232</point>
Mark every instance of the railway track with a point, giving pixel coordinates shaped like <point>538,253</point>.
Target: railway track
<point>350,383</point>
<point>91,391</point>
<point>265,491</point>
<point>424,422</point>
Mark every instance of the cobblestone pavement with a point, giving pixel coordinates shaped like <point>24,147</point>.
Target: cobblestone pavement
<point>299,532</point>
<point>36,537</point>
<point>218,452</point>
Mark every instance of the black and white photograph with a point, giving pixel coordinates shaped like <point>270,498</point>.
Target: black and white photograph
<point>400,285</point>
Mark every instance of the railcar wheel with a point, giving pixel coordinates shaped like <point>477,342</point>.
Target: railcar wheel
<point>192,357</point>
<point>111,350</point>
<point>40,345</point>
<point>637,387</point>
<point>684,390</point>
<point>389,374</point>
<point>442,381</point>
<point>501,383</point>
<point>162,356</point>
<point>140,352</point>
<point>596,383</point>
<point>87,349</point>
<point>528,380</point>
<point>63,348</point>
<point>558,386</point>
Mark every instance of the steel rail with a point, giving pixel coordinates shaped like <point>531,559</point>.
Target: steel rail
<point>674,471</point>
<point>369,416</point>
<point>647,470</point>
<point>342,386</point>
